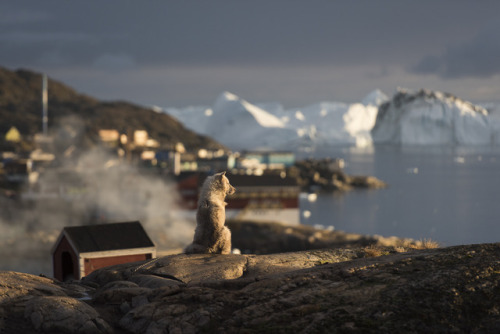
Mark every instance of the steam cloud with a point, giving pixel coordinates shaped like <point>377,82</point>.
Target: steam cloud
<point>97,187</point>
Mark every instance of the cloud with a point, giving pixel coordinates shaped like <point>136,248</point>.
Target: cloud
<point>114,62</point>
<point>18,16</point>
<point>478,57</point>
<point>53,58</point>
<point>30,37</point>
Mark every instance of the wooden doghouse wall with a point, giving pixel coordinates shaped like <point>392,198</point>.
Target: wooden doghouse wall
<point>57,258</point>
<point>91,264</point>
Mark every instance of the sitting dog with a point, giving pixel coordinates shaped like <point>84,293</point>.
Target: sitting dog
<point>211,235</point>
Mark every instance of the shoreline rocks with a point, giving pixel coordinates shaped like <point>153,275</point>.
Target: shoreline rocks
<point>326,175</point>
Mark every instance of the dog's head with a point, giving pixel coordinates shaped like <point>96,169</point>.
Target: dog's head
<point>222,179</point>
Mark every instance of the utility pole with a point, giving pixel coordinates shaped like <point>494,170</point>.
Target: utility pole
<point>45,98</point>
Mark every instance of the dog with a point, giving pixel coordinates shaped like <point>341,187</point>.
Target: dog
<point>211,235</point>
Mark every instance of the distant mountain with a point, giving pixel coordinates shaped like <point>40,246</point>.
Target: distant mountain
<point>20,106</point>
<point>427,117</point>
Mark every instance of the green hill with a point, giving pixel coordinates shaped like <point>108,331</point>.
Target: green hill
<point>20,106</point>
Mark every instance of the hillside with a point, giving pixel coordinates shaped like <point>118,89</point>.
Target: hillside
<point>20,106</point>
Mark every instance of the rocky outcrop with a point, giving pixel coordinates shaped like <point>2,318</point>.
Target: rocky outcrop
<point>455,289</point>
<point>257,237</point>
<point>30,304</point>
<point>326,175</point>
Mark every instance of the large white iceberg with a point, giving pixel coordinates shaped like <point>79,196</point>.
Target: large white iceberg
<point>375,98</point>
<point>431,118</point>
<point>333,123</point>
<point>241,125</point>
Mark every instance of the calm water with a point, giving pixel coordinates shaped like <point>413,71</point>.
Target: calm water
<point>450,195</point>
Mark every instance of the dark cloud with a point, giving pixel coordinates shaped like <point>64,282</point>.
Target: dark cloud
<point>173,52</point>
<point>237,32</point>
<point>114,62</point>
<point>478,57</point>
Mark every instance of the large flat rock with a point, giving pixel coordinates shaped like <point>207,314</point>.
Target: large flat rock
<point>195,268</point>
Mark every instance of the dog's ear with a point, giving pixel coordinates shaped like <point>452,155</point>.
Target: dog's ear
<point>220,175</point>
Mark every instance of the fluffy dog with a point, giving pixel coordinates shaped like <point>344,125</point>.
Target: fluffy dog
<point>211,236</point>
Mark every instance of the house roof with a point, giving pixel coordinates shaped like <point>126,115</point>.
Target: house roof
<point>106,237</point>
<point>266,180</point>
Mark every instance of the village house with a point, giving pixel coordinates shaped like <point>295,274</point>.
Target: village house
<point>79,250</point>
<point>13,135</point>
<point>265,160</point>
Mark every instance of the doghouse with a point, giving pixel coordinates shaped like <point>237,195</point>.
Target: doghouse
<point>79,250</point>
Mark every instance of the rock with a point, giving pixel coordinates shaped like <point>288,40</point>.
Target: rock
<point>360,181</point>
<point>57,314</point>
<point>120,294</point>
<point>271,237</point>
<point>327,175</point>
<point>340,290</point>
<point>454,289</point>
<point>176,269</point>
<point>153,282</point>
<point>14,285</point>
<point>185,269</point>
<point>18,290</point>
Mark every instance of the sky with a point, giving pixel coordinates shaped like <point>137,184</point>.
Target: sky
<point>182,53</point>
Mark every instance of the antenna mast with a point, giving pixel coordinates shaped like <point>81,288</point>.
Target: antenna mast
<point>45,116</point>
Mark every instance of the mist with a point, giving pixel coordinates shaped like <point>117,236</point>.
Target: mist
<point>87,187</point>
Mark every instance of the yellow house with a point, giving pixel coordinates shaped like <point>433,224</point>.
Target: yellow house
<point>13,135</point>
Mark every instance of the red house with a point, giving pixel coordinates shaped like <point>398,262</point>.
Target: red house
<point>79,250</point>
<point>268,197</point>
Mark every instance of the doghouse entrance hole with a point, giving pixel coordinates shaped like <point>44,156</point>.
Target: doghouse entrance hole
<point>67,266</point>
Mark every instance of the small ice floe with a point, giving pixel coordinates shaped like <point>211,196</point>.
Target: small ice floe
<point>323,227</point>
<point>412,170</point>
<point>312,197</point>
<point>85,296</point>
<point>459,160</point>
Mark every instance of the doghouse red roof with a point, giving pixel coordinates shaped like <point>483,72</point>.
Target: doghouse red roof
<point>106,237</point>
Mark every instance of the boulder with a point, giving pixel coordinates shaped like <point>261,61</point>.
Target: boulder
<point>58,314</point>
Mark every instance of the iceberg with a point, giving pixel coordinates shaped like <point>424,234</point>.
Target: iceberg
<point>194,118</point>
<point>431,118</point>
<point>241,125</point>
<point>423,117</point>
<point>334,123</point>
<point>375,98</point>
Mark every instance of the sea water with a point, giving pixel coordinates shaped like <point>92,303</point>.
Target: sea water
<point>448,194</point>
